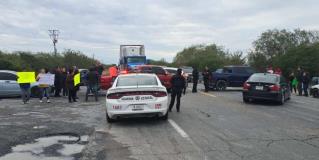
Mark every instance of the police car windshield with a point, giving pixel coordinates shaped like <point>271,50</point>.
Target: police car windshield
<point>138,80</point>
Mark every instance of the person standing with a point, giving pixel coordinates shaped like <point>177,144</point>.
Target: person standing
<point>278,71</point>
<point>44,88</point>
<point>64,74</point>
<point>299,79</point>
<point>25,92</point>
<point>270,70</point>
<point>305,83</point>
<point>295,84</point>
<point>195,79</point>
<point>70,86</point>
<point>291,78</point>
<point>57,82</point>
<point>206,76</point>
<point>92,84</point>
<point>77,87</point>
<point>178,84</point>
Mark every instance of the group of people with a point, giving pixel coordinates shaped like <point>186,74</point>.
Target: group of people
<point>63,84</point>
<point>299,82</point>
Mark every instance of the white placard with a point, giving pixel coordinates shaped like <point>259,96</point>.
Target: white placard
<point>46,79</point>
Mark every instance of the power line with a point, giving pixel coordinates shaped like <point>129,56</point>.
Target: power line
<point>54,35</point>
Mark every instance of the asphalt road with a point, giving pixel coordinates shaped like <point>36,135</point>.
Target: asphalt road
<point>214,125</point>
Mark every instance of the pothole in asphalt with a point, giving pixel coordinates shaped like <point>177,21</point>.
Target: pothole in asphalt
<point>52,147</point>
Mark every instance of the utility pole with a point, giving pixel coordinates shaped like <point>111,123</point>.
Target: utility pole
<point>54,35</point>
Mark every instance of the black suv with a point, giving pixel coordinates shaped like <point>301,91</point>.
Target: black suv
<point>230,76</point>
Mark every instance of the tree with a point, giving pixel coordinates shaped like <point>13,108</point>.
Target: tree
<point>35,61</point>
<point>306,56</point>
<point>200,56</point>
<point>235,58</point>
<point>274,45</point>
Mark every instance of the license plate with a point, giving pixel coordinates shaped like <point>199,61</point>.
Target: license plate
<point>137,107</point>
<point>259,88</point>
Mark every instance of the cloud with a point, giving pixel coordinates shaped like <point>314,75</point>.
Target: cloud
<point>165,27</point>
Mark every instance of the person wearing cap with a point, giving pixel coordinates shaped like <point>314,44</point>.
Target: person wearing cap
<point>178,84</point>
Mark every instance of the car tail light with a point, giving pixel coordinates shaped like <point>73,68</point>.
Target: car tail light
<point>114,96</point>
<point>159,94</point>
<point>246,86</point>
<point>274,88</point>
<point>120,95</point>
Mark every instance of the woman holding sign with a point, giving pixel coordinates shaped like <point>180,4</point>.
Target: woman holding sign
<point>44,88</point>
<point>24,80</point>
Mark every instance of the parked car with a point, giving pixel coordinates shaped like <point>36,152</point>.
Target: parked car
<point>314,89</point>
<point>9,86</point>
<point>162,74</point>
<point>230,76</point>
<point>188,71</point>
<point>136,95</point>
<point>266,86</point>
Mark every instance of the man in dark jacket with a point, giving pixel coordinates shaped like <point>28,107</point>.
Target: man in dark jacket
<point>195,79</point>
<point>299,79</point>
<point>206,76</point>
<point>58,80</point>
<point>70,86</point>
<point>64,75</point>
<point>92,83</point>
<point>305,83</point>
<point>178,84</point>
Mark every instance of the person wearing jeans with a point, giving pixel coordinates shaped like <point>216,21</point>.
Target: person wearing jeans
<point>44,88</point>
<point>92,84</point>
<point>25,92</point>
<point>44,92</point>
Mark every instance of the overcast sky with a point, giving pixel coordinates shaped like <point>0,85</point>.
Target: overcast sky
<point>165,27</point>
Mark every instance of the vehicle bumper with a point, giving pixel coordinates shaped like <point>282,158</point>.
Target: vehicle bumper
<point>127,111</point>
<point>262,95</point>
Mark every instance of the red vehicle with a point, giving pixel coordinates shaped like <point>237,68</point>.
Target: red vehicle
<point>106,82</point>
<point>161,73</point>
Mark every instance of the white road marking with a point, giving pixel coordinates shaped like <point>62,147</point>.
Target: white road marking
<point>185,135</point>
<point>178,129</point>
<point>207,94</point>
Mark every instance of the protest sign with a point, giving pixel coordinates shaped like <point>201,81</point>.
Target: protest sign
<point>46,79</point>
<point>77,79</point>
<point>26,77</point>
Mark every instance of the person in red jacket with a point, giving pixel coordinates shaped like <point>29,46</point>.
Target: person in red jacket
<point>278,71</point>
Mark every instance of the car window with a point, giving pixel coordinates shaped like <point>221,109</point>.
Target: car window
<point>146,70</point>
<point>219,71</point>
<point>266,78</point>
<point>227,70</point>
<point>8,76</point>
<point>136,81</point>
<point>172,71</point>
<point>158,70</point>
